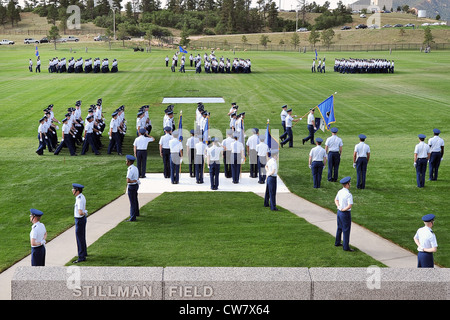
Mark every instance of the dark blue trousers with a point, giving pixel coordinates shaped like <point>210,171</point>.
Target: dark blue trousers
<point>199,162</point>
<point>89,141</point>
<point>214,169</point>
<point>344,222</point>
<point>235,167</point>
<point>134,203</point>
<point>316,169</point>
<point>311,134</point>
<point>80,234</point>
<point>166,162</point>
<point>38,256</point>
<point>421,170</point>
<point>174,168</point>
<point>141,159</point>
<point>425,260</point>
<point>435,161</point>
<point>289,137</point>
<point>271,191</point>
<point>334,159</point>
<point>262,169</point>
<point>361,169</point>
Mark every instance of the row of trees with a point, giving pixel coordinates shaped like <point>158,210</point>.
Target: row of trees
<point>191,16</point>
<point>10,12</point>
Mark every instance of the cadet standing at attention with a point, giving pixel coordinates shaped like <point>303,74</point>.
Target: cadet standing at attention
<point>176,155</point>
<point>190,145</point>
<point>140,151</point>
<point>361,157</point>
<point>164,150</point>
<point>426,243</point>
<point>421,157</point>
<point>38,235</point>
<point>133,187</point>
<point>317,160</point>
<point>333,147</point>
<point>252,142</point>
<point>271,182</point>
<point>213,160</point>
<point>437,153</point>
<point>344,203</point>
<point>80,214</point>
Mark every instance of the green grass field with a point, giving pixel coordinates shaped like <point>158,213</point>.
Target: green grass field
<point>390,109</point>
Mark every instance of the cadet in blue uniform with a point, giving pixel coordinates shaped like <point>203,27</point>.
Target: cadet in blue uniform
<point>288,133</point>
<point>176,155</point>
<point>214,154</point>
<point>164,150</point>
<point>333,147</point>
<point>344,203</point>
<point>311,122</point>
<point>38,235</point>
<point>80,214</point>
<point>426,243</point>
<point>437,153</point>
<point>361,156</point>
<point>133,187</point>
<point>271,182</point>
<point>140,145</point>
<point>317,160</point>
<point>421,157</point>
<point>283,116</point>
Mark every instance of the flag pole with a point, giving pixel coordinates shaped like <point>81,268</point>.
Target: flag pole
<point>179,135</point>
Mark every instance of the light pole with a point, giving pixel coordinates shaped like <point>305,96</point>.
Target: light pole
<point>114,22</point>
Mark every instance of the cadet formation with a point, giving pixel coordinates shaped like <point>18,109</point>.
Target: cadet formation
<point>209,63</point>
<point>77,131</point>
<point>80,65</point>
<point>363,65</point>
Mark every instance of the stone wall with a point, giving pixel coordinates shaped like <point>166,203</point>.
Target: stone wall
<point>203,283</point>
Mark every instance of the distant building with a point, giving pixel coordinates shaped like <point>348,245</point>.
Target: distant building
<point>364,4</point>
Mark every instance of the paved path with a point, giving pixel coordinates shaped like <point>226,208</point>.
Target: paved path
<point>63,248</point>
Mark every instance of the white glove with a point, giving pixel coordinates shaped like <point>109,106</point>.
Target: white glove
<point>309,166</point>
<point>43,242</point>
<point>40,140</point>
<point>442,159</point>
<point>415,164</point>
<point>57,127</point>
<point>301,119</point>
<point>110,137</point>
<point>181,161</point>
<point>242,160</point>
<point>354,164</point>
<point>82,138</point>
<point>420,249</point>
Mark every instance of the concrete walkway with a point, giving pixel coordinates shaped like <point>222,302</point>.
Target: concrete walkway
<point>63,248</point>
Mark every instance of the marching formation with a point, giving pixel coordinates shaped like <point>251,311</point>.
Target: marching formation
<point>363,65</point>
<point>211,64</point>
<point>79,65</point>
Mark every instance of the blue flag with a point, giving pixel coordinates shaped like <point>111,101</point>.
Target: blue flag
<point>326,109</point>
<point>182,50</point>
<point>206,131</point>
<point>316,54</point>
<point>37,52</point>
<point>180,129</point>
<point>272,144</point>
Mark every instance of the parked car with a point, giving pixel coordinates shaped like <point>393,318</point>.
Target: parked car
<point>100,38</point>
<point>361,26</point>
<point>346,28</point>
<point>44,40</point>
<point>302,30</point>
<point>362,15</point>
<point>398,25</point>
<point>373,26</point>
<point>410,25</point>
<point>4,41</point>
<point>72,38</point>
<point>387,26</point>
<point>30,40</point>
